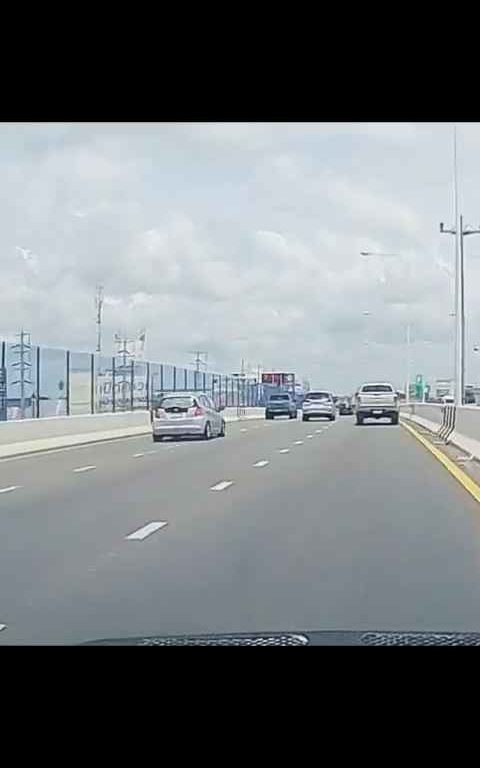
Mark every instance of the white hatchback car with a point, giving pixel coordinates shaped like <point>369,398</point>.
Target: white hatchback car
<point>187,414</point>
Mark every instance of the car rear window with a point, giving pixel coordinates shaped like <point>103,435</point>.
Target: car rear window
<point>377,388</point>
<point>176,402</point>
<point>318,396</point>
<point>279,397</point>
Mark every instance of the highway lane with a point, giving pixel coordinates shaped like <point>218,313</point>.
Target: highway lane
<point>348,528</point>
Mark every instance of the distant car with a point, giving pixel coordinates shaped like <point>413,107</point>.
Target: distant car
<point>448,399</point>
<point>281,404</point>
<point>345,407</point>
<point>318,404</point>
<point>188,414</point>
<point>377,401</point>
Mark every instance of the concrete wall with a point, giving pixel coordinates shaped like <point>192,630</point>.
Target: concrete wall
<point>32,435</point>
<point>56,426</point>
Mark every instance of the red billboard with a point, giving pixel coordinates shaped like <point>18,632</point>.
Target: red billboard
<point>279,379</point>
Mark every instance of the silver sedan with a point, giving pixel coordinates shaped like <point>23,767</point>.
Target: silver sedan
<point>188,414</point>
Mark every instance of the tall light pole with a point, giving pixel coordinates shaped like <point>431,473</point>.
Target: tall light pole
<point>460,233</point>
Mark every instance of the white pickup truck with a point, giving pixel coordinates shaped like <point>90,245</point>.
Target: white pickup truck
<point>377,401</point>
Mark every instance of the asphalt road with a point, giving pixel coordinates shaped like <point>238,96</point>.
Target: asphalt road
<point>344,528</point>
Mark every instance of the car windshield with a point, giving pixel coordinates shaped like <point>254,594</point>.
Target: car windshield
<point>171,292</point>
<point>176,402</point>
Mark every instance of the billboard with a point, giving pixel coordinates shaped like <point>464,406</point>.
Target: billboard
<point>279,379</point>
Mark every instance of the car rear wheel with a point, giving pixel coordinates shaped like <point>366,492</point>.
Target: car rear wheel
<point>359,420</point>
<point>207,431</point>
<point>157,438</point>
<point>222,431</point>
<point>304,418</point>
<point>395,419</point>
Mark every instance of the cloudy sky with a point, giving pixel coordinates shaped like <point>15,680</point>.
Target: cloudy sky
<point>242,239</point>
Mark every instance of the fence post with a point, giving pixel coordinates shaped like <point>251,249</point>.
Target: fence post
<point>67,377</point>
<point>92,383</point>
<point>185,379</point>
<point>37,415</point>
<point>174,378</point>
<point>204,387</point>
<point>161,378</point>
<point>147,387</point>
<point>132,382</point>
<point>114,399</point>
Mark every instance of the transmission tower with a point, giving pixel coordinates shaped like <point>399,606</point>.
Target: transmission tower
<point>24,364</point>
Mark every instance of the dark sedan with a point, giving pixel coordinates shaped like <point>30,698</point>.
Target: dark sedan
<point>345,407</point>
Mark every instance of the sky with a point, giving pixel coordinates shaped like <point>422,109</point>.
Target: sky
<point>244,240</point>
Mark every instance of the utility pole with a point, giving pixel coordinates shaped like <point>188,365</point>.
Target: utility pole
<point>460,233</point>
<point>24,364</point>
<point>99,308</point>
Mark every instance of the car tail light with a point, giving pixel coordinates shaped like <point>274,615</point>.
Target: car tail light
<point>199,411</point>
<point>159,413</point>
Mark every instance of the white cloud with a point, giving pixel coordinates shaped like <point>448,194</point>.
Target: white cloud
<point>242,238</point>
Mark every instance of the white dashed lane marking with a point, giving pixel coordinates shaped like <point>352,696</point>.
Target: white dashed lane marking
<point>222,486</point>
<point>309,437</point>
<point>85,469</point>
<point>261,464</point>
<point>148,529</point>
<point>298,442</point>
<point>243,430</point>
<point>2,626</point>
<point>285,450</point>
<point>150,453</point>
<point>319,431</point>
<point>138,455</point>
<point>9,488</point>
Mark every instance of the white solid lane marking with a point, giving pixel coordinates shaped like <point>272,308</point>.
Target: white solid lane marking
<point>9,488</point>
<point>145,531</point>
<point>285,450</point>
<point>261,464</point>
<point>298,442</point>
<point>222,486</point>
<point>85,469</point>
<point>137,455</point>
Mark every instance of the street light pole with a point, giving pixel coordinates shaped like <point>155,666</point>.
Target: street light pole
<point>407,393</point>
<point>460,232</point>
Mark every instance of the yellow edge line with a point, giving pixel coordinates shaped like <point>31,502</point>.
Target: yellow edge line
<point>458,473</point>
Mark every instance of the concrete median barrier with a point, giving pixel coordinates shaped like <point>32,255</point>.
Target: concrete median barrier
<point>32,435</point>
<point>35,435</point>
<point>457,425</point>
<point>428,415</point>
